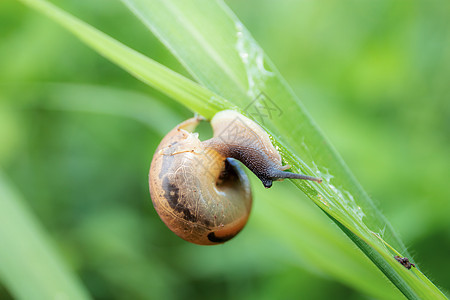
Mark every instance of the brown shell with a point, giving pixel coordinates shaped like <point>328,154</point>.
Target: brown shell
<point>202,196</point>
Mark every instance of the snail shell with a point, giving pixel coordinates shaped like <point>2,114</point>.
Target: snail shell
<point>201,196</point>
<point>199,189</point>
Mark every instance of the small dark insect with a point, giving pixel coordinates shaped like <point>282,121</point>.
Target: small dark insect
<point>405,262</point>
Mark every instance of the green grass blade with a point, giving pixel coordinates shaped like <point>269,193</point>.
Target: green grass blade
<point>197,29</point>
<point>196,97</point>
<point>193,39</point>
<point>29,266</point>
<point>299,140</point>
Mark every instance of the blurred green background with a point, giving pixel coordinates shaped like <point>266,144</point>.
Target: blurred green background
<point>374,76</point>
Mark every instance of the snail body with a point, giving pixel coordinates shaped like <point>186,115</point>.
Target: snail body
<point>199,189</point>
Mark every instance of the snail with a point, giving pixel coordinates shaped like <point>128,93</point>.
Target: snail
<point>199,189</point>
